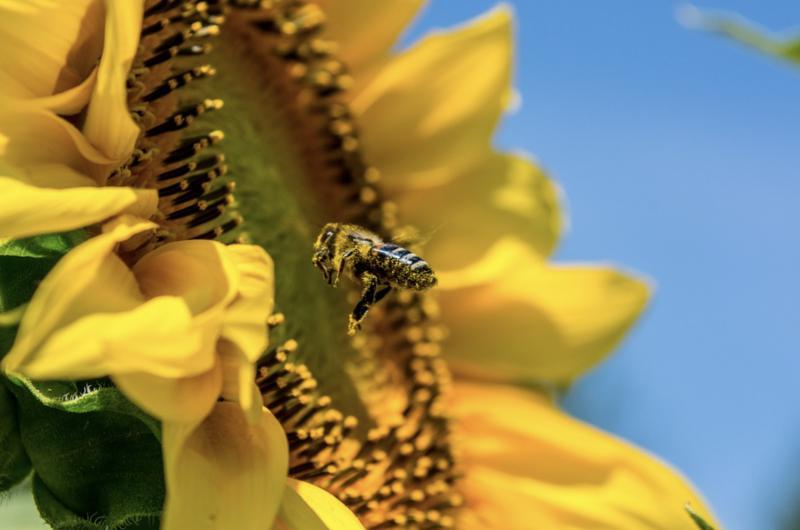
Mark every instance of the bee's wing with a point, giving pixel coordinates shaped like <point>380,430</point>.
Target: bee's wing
<point>410,236</point>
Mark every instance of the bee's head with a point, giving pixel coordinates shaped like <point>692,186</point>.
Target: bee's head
<point>323,251</point>
<point>322,260</point>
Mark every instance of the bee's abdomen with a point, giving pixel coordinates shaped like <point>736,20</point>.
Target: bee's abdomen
<point>406,268</point>
<point>405,256</point>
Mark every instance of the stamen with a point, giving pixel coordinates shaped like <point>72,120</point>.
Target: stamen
<point>219,231</point>
<point>191,146</point>
<point>179,81</point>
<point>161,6</point>
<point>160,57</point>
<point>178,172</point>
<point>155,27</point>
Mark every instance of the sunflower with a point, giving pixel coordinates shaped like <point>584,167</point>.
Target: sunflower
<point>136,122</point>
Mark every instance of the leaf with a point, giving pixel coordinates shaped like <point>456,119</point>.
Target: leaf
<point>96,396</point>
<point>699,521</point>
<point>23,265</point>
<point>25,262</point>
<point>45,246</point>
<point>14,462</point>
<point>62,518</point>
<point>7,335</point>
<point>97,461</point>
<point>96,456</point>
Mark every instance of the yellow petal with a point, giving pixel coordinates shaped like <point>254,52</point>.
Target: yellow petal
<point>199,271</point>
<point>12,317</point>
<point>430,112</point>
<point>504,195</point>
<point>528,465</point>
<point>153,336</point>
<point>182,399</point>
<point>238,376</point>
<point>514,316</point>
<point>246,316</point>
<point>365,30</point>
<point>229,289</point>
<point>307,507</point>
<point>35,137</point>
<point>224,473</point>
<point>70,101</point>
<point>89,319</point>
<point>108,124</point>
<point>49,50</point>
<point>54,304</point>
<point>28,210</point>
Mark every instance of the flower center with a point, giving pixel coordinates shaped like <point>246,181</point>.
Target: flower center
<point>363,417</point>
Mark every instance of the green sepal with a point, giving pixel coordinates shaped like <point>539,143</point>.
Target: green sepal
<point>86,396</point>
<point>97,457</point>
<point>14,462</point>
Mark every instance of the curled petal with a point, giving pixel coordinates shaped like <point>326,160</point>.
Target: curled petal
<point>307,507</point>
<point>225,472</point>
<point>153,336</point>
<point>233,284</point>
<point>238,374</point>
<point>182,399</point>
<point>49,51</point>
<point>433,130</point>
<point>246,316</point>
<point>229,289</point>
<point>29,210</point>
<point>108,124</point>
<point>34,137</point>
<point>70,101</point>
<point>199,271</point>
<point>515,317</point>
<point>88,319</point>
<point>518,450</point>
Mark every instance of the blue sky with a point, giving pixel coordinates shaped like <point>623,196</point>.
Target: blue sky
<point>678,152</point>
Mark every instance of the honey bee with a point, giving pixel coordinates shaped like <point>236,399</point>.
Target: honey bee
<point>378,265</point>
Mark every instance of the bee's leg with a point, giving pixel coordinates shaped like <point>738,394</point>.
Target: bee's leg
<point>334,279</point>
<point>370,283</point>
<point>381,293</point>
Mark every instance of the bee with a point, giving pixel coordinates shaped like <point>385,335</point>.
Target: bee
<point>378,265</point>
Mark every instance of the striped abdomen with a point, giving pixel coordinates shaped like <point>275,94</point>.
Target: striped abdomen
<point>403,267</point>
